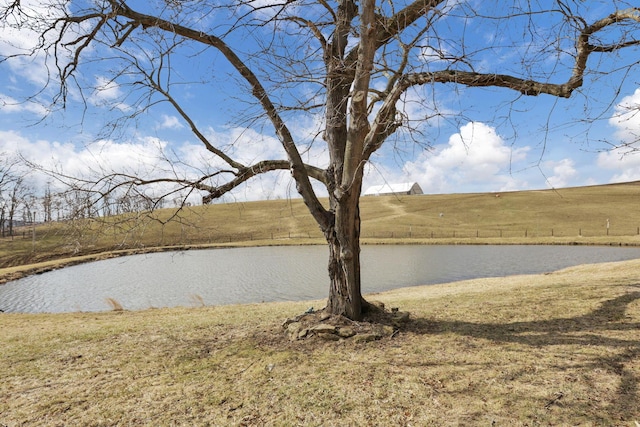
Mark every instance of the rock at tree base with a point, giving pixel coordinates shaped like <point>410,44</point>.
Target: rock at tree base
<point>329,327</point>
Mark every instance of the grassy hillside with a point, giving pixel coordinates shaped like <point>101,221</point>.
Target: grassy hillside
<point>561,213</point>
<point>552,216</point>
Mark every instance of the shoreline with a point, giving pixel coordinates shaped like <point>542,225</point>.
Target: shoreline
<point>10,274</point>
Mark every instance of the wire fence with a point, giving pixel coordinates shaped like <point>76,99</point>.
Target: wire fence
<point>421,233</point>
<point>478,233</point>
<point>195,235</point>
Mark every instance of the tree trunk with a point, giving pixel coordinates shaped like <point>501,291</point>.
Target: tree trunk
<point>345,296</point>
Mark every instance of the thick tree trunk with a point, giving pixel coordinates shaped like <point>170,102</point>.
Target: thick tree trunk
<point>345,296</point>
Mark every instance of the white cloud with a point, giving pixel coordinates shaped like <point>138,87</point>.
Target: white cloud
<point>107,93</point>
<point>12,105</point>
<point>268,9</point>
<point>9,104</point>
<point>626,166</point>
<point>626,119</point>
<point>624,160</point>
<point>421,114</point>
<point>246,145</point>
<point>563,171</point>
<point>476,159</point>
<point>150,157</point>
<point>142,156</point>
<point>432,56</point>
<point>170,122</point>
<point>18,37</point>
<point>35,57</point>
<point>106,90</point>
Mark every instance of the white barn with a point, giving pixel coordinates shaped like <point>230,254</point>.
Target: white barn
<point>401,189</point>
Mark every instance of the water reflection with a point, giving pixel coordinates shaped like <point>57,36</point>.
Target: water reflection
<point>241,275</point>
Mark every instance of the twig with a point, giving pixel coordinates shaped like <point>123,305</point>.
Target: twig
<point>555,400</point>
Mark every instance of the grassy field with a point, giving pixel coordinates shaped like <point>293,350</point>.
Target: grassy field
<point>555,349</point>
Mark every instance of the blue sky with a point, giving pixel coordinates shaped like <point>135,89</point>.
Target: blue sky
<point>482,140</point>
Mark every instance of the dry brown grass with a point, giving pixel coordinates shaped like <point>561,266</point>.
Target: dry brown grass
<point>554,349</point>
<point>114,304</point>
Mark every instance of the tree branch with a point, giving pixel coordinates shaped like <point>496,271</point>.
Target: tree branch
<point>388,28</point>
<point>358,123</point>
<point>194,128</point>
<point>296,165</point>
<point>385,122</point>
<point>259,168</point>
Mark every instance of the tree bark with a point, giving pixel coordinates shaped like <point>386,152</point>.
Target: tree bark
<point>343,238</point>
<point>345,296</point>
<point>346,140</point>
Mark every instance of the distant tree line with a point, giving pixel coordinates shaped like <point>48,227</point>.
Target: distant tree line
<point>24,200</point>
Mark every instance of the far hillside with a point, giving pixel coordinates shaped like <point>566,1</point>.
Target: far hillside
<point>571,212</point>
<point>605,214</point>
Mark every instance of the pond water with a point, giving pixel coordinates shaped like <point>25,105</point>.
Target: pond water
<point>245,275</point>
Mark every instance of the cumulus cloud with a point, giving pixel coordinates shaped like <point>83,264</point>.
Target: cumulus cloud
<point>142,157</point>
<point>476,158</point>
<point>625,166</point>
<point>430,55</point>
<point>246,145</point>
<point>170,122</point>
<point>106,90</point>
<point>624,159</point>
<point>563,172</point>
<point>150,157</point>
<point>626,119</point>
<point>107,93</point>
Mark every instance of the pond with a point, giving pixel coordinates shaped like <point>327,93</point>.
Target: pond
<point>285,273</point>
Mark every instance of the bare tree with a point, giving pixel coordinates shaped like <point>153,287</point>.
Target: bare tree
<point>18,197</point>
<point>47,204</point>
<point>7,181</point>
<point>15,192</point>
<point>355,64</point>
